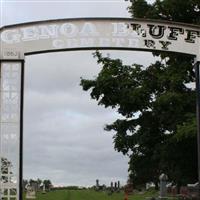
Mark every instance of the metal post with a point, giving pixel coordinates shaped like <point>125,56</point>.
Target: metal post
<point>11,122</point>
<point>21,133</point>
<point>197,66</point>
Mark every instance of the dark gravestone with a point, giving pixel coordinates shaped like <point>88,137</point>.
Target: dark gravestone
<point>194,190</point>
<point>115,186</point>
<point>184,192</point>
<point>111,187</point>
<point>97,185</point>
<point>118,184</point>
<point>174,191</point>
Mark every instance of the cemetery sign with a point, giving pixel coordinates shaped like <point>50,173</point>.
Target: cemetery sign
<point>72,34</point>
<point>18,41</point>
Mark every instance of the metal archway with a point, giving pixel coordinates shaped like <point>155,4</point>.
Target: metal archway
<point>19,40</point>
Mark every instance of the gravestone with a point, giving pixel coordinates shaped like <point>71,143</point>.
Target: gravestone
<point>118,184</point>
<point>163,185</point>
<point>97,184</point>
<point>43,189</point>
<point>115,186</point>
<point>30,194</point>
<point>184,192</point>
<point>174,191</point>
<point>111,187</point>
<point>194,190</point>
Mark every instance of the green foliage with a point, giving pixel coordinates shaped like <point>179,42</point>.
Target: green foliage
<point>174,10</point>
<point>158,128</point>
<point>47,184</point>
<point>157,106</point>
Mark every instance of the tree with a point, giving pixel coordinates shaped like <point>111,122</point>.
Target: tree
<point>47,184</point>
<point>39,181</point>
<point>158,130</point>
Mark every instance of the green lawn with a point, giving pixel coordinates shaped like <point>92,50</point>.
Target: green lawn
<point>89,195</point>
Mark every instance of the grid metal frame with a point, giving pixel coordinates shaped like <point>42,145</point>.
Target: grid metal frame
<point>11,189</point>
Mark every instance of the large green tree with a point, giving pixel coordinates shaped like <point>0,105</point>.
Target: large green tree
<point>158,130</point>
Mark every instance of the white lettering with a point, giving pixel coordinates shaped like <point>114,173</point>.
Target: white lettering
<point>104,42</point>
<point>87,42</point>
<point>119,42</point>
<point>58,44</point>
<point>133,42</point>
<point>50,31</point>
<point>72,43</point>
<point>69,30</point>
<point>97,34</point>
<point>30,34</point>
<point>120,30</point>
<point>10,36</point>
<point>89,29</point>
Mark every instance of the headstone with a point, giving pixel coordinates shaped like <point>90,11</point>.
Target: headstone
<point>43,189</point>
<point>30,194</point>
<point>115,186</point>
<point>104,187</point>
<point>111,186</point>
<point>174,191</point>
<point>194,190</point>
<point>163,185</point>
<point>97,184</point>
<point>35,186</point>
<point>184,192</point>
<point>118,184</point>
<point>169,188</point>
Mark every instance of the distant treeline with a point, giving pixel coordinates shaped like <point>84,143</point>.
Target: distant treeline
<point>69,188</point>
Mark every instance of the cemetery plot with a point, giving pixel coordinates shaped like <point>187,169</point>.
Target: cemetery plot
<point>90,195</point>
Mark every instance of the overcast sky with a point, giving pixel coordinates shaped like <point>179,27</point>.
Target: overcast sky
<point>64,138</point>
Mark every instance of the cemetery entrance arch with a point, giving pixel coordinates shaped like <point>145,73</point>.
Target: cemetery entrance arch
<point>17,41</point>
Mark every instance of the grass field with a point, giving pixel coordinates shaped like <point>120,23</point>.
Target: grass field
<point>90,195</point>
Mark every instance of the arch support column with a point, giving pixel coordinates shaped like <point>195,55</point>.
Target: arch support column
<point>197,72</point>
<point>11,128</point>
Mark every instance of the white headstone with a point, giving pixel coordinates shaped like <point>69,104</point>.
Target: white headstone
<point>31,194</point>
<point>163,185</point>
